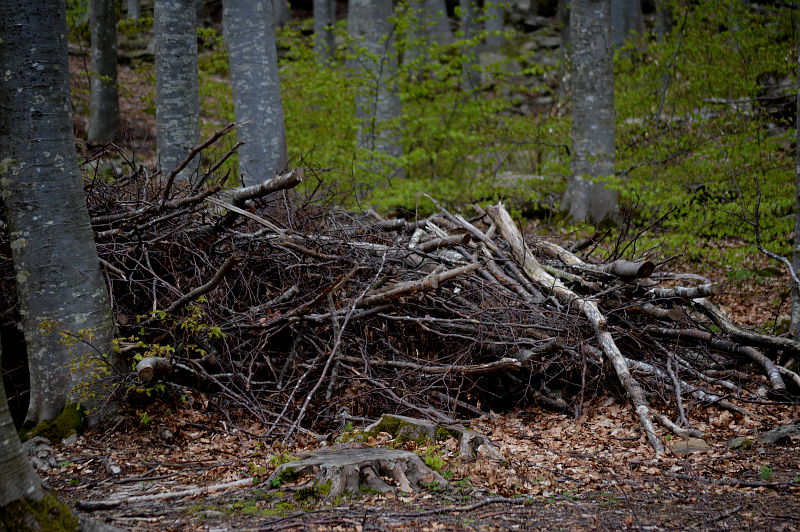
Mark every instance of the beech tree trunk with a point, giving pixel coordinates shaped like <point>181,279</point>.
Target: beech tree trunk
<point>377,102</point>
<point>134,8</point>
<point>592,113</point>
<point>795,324</point>
<point>104,104</point>
<point>434,17</point>
<point>663,23</point>
<point>626,18</point>
<point>250,36</point>
<point>324,20</point>
<point>470,78</point>
<point>281,13</point>
<point>495,22</point>
<point>18,480</point>
<point>177,100</point>
<point>55,258</point>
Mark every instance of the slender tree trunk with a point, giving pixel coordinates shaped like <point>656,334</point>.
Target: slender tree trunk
<point>434,16</point>
<point>134,8</point>
<point>256,90</point>
<point>324,20</point>
<point>177,101</point>
<point>663,24</point>
<point>795,325</point>
<point>592,112</point>
<point>104,105</point>
<point>471,77</point>
<point>55,258</point>
<point>495,22</point>
<point>377,102</point>
<point>281,13</point>
<point>626,18</point>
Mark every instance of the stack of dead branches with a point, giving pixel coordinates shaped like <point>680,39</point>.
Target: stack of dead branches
<point>308,317</point>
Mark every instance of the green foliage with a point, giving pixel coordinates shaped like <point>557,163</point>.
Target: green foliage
<point>765,472</point>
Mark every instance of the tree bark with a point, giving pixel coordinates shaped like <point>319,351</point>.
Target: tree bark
<point>324,20</point>
<point>626,18</point>
<point>495,22</point>
<point>257,102</point>
<point>434,15</point>
<point>377,101</point>
<point>471,77</point>
<point>177,100</point>
<point>134,8</point>
<point>281,14</point>
<point>104,103</point>
<point>663,23</point>
<point>795,323</point>
<point>592,112</point>
<point>55,259</point>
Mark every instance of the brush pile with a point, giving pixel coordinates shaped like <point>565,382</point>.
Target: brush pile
<point>309,317</point>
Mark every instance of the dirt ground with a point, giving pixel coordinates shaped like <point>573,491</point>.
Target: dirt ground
<point>557,473</point>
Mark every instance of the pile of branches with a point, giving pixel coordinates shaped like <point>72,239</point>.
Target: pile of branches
<point>308,317</point>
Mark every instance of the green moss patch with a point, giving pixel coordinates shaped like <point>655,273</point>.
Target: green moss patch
<point>65,425</point>
<point>46,514</point>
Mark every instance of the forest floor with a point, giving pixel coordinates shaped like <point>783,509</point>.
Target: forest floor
<point>595,472</point>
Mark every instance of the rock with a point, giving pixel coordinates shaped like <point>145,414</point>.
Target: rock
<point>110,467</point>
<point>69,440</point>
<point>780,435</point>
<point>211,514</point>
<point>741,443</point>
<point>40,453</point>
<point>692,445</point>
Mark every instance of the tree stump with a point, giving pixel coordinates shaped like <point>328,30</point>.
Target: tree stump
<point>471,444</point>
<point>353,470</point>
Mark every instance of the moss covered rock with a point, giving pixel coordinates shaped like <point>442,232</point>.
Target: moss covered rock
<point>46,514</point>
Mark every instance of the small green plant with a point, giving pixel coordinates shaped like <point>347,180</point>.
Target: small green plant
<point>144,419</point>
<point>765,472</point>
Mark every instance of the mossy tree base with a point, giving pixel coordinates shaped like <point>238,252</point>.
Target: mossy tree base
<point>470,443</point>
<point>65,425</point>
<point>46,514</point>
<point>338,472</point>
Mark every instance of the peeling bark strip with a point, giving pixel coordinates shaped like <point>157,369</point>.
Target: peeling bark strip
<point>531,267</point>
<point>250,36</point>
<point>55,259</point>
<point>177,100</point>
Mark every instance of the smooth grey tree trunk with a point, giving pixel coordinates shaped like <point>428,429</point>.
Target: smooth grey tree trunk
<point>55,258</point>
<point>795,323</point>
<point>377,101</point>
<point>663,22</point>
<point>134,8</point>
<point>324,20</point>
<point>18,480</point>
<point>250,36</point>
<point>626,19</point>
<point>104,101</point>
<point>281,14</point>
<point>471,77</point>
<point>177,100</point>
<point>592,112</point>
<point>433,16</point>
<point>495,22</point>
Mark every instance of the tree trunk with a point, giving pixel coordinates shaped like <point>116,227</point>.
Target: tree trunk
<point>495,22</point>
<point>324,20</point>
<point>104,106</point>
<point>17,478</point>
<point>663,24</point>
<point>626,18</point>
<point>434,15</point>
<point>177,100</point>
<point>134,8</point>
<point>55,258</point>
<point>471,77</point>
<point>377,101</point>
<point>281,13</point>
<point>795,324</point>
<point>592,112</point>
<point>256,90</point>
